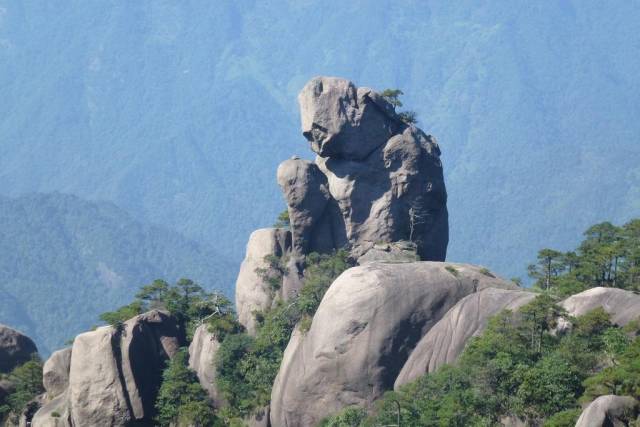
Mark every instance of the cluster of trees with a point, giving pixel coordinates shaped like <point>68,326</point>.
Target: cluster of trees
<point>247,365</point>
<point>393,97</point>
<point>181,399</point>
<point>24,383</point>
<point>519,367</point>
<point>608,256</point>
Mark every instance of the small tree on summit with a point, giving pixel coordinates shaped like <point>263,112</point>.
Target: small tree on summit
<point>393,97</point>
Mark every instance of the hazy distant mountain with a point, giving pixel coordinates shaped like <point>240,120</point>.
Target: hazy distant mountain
<point>65,260</point>
<point>179,112</point>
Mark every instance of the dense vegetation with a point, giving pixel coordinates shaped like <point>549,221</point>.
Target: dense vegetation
<point>26,383</point>
<point>608,256</point>
<point>520,368</point>
<point>65,259</point>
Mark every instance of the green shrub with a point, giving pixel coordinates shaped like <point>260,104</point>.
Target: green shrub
<point>451,269</point>
<point>181,400</point>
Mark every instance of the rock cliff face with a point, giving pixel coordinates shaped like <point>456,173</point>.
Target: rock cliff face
<point>114,374</point>
<point>376,178</point>
<point>368,322</point>
<point>447,339</point>
<point>15,348</point>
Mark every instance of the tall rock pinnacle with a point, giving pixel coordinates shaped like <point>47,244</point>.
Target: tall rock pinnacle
<point>375,179</point>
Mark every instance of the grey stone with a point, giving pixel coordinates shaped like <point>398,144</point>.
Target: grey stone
<point>202,351</point>
<point>252,293</point>
<point>114,374</point>
<point>15,348</point>
<point>368,322</point>
<point>390,252</point>
<point>609,411</point>
<point>623,306</point>
<point>376,179</point>
<point>55,372</point>
<point>447,339</point>
<point>340,120</point>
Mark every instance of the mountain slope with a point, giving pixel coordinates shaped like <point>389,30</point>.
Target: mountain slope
<point>65,260</point>
<point>180,112</point>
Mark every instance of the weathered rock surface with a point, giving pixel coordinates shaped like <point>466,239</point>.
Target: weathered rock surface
<point>55,372</point>
<point>114,374</point>
<point>368,322</point>
<point>609,411</point>
<point>15,348</point>
<point>202,351</point>
<point>376,179</point>
<point>623,306</point>
<point>447,339</point>
<point>390,252</point>
<point>252,293</point>
<point>343,121</point>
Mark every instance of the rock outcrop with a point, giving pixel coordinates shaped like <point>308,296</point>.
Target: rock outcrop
<point>623,306</point>
<point>55,372</point>
<point>252,292</point>
<point>115,373</point>
<point>608,411</point>
<point>376,178</point>
<point>368,322</point>
<point>15,348</point>
<point>447,339</point>
<point>202,351</point>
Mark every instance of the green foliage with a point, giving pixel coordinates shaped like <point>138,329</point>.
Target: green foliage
<point>518,367</point>
<point>276,268</point>
<point>348,417</point>
<point>451,269</point>
<point>623,378</point>
<point>566,418</point>
<point>181,400</point>
<point>247,366</point>
<point>393,97</point>
<point>608,256</point>
<point>283,220</point>
<point>27,384</point>
<point>186,300</point>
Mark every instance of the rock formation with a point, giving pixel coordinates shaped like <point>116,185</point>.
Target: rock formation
<point>368,322</point>
<point>114,373</point>
<point>376,178</point>
<point>623,306</point>
<point>15,348</point>
<point>202,351</point>
<point>447,339</point>
<point>252,293</point>
<point>55,372</point>
<point>608,411</point>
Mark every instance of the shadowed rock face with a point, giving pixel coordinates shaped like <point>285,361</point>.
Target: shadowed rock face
<point>376,178</point>
<point>447,339</point>
<point>368,322</point>
<point>608,411</point>
<point>114,374</point>
<point>15,348</point>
